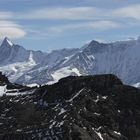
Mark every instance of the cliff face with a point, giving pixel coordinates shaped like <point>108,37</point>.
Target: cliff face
<point>76,108</point>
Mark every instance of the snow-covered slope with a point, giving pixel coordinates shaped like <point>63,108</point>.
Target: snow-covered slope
<point>64,72</point>
<point>24,66</point>
<point>27,66</point>
<point>137,85</point>
<point>119,58</point>
<point>16,61</point>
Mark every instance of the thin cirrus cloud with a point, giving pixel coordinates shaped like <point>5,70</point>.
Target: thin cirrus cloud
<point>92,18</point>
<point>63,13</point>
<point>131,11</point>
<point>11,30</point>
<point>83,13</point>
<point>97,25</point>
<point>58,30</point>
<point>87,17</point>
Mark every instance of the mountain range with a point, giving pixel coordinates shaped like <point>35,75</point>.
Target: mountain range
<point>36,67</point>
<point>89,104</point>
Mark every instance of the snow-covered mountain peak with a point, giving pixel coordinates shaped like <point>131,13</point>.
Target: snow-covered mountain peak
<point>95,47</point>
<point>7,42</point>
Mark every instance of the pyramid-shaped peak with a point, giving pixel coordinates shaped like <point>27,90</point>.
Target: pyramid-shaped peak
<point>93,42</point>
<point>7,42</point>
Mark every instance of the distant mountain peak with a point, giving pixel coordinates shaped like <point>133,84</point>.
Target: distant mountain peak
<point>93,42</point>
<point>7,42</point>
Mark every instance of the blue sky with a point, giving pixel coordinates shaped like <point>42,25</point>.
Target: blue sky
<point>53,24</point>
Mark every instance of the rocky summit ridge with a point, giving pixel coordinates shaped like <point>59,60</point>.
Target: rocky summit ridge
<point>96,107</point>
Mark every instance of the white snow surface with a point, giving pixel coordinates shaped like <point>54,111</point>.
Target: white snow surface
<point>33,85</point>
<point>3,90</point>
<point>9,42</point>
<point>75,96</point>
<point>62,111</point>
<point>16,70</point>
<point>99,134</point>
<point>64,72</point>
<point>19,93</point>
<point>13,92</point>
<point>118,133</point>
<point>137,85</point>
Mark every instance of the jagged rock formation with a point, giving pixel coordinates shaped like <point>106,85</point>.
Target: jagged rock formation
<point>97,107</point>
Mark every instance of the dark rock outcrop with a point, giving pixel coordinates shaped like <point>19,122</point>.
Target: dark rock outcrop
<point>3,79</point>
<point>76,108</point>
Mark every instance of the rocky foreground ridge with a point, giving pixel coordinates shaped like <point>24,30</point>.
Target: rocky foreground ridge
<point>97,107</point>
